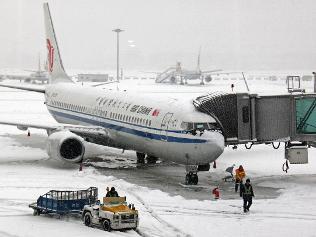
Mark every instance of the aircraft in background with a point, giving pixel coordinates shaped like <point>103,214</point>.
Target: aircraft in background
<point>180,75</point>
<point>36,76</point>
<point>91,116</point>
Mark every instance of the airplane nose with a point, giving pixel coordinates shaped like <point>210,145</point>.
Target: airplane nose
<point>216,144</point>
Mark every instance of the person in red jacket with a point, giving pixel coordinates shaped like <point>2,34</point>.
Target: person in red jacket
<point>215,192</point>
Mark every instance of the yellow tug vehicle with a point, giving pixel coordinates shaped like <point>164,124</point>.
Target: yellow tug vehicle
<point>112,214</point>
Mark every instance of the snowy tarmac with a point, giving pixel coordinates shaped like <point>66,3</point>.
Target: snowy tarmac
<point>284,204</point>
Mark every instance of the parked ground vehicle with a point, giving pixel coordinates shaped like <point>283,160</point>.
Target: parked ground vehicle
<point>113,213</point>
<point>64,202</point>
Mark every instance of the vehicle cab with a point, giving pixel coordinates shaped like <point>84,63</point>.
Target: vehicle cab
<point>113,213</point>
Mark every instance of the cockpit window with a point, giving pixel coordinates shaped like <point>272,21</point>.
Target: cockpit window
<point>186,126</point>
<point>194,127</point>
<point>201,126</point>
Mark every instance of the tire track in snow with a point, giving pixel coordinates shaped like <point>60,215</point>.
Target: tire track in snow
<point>6,234</point>
<point>176,232</point>
<point>166,230</point>
<point>165,210</point>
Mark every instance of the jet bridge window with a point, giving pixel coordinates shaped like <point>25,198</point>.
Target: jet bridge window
<point>305,115</point>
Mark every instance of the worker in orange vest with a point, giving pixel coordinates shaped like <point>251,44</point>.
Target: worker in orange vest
<point>240,175</point>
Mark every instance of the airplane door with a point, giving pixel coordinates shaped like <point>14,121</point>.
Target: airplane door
<point>164,126</point>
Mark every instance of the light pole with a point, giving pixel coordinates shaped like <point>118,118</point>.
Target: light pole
<point>117,53</point>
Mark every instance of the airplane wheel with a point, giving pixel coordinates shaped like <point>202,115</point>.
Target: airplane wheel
<point>140,157</point>
<point>191,179</point>
<point>151,159</point>
<point>187,179</point>
<point>195,179</point>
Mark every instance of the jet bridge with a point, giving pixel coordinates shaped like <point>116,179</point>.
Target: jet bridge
<point>254,118</point>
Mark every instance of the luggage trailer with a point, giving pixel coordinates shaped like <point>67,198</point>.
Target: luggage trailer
<point>64,202</point>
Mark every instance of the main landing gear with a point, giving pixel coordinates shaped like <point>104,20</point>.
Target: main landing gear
<point>141,158</point>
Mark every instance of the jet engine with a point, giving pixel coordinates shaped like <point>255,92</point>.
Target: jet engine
<point>66,146</point>
<point>208,78</point>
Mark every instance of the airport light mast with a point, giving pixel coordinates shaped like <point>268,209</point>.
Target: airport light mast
<point>117,53</point>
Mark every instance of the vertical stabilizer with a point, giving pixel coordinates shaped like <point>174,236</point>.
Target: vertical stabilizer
<point>198,61</point>
<point>55,66</point>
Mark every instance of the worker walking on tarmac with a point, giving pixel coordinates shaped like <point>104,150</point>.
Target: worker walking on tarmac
<point>246,192</point>
<point>240,175</point>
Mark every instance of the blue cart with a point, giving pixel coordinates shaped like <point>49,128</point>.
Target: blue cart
<point>64,202</point>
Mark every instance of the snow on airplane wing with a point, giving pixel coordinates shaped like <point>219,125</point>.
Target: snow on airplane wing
<point>77,129</point>
<point>34,88</point>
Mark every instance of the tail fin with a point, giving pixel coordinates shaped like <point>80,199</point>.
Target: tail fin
<point>198,68</point>
<point>55,65</point>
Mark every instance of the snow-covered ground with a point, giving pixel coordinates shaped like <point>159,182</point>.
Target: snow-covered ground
<point>26,172</point>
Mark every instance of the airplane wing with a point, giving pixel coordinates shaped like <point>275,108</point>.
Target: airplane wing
<point>212,71</point>
<point>89,131</point>
<point>35,88</point>
<point>16,77</point>
<point>221,72</point>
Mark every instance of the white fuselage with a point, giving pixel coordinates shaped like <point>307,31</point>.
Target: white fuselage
<point>135,122</point>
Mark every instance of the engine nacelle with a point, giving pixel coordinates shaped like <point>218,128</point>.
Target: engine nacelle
<point>208,78</point>
<point>66,146</point>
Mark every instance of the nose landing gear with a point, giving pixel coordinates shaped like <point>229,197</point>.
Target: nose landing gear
<point>191,177</point>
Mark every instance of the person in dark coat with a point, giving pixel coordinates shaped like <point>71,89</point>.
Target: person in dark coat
<point>112,193</point>
<point>246,192</point>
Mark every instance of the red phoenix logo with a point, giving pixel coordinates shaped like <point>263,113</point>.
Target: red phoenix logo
<point>155,112</point>
<point>50,55</point>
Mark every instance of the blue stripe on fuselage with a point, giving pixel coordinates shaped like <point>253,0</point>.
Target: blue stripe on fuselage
<point>127,130</point>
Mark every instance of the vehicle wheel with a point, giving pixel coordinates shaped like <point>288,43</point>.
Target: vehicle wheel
<point>106,225</point>
<point>36,212</point>
<point>87,219</point>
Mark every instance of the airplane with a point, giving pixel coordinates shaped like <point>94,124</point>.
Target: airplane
<point>90,116</point>
<point>36,75</point>
<point>177,73</point>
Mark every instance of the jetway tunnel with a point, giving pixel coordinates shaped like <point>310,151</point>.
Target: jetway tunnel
<point>257,118</point>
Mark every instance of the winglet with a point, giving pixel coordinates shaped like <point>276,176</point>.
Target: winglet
<point>55,65</point>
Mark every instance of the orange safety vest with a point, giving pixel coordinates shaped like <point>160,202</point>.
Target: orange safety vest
<point>240,174</point>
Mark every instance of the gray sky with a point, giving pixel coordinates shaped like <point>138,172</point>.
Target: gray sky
<point>233,34</point>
